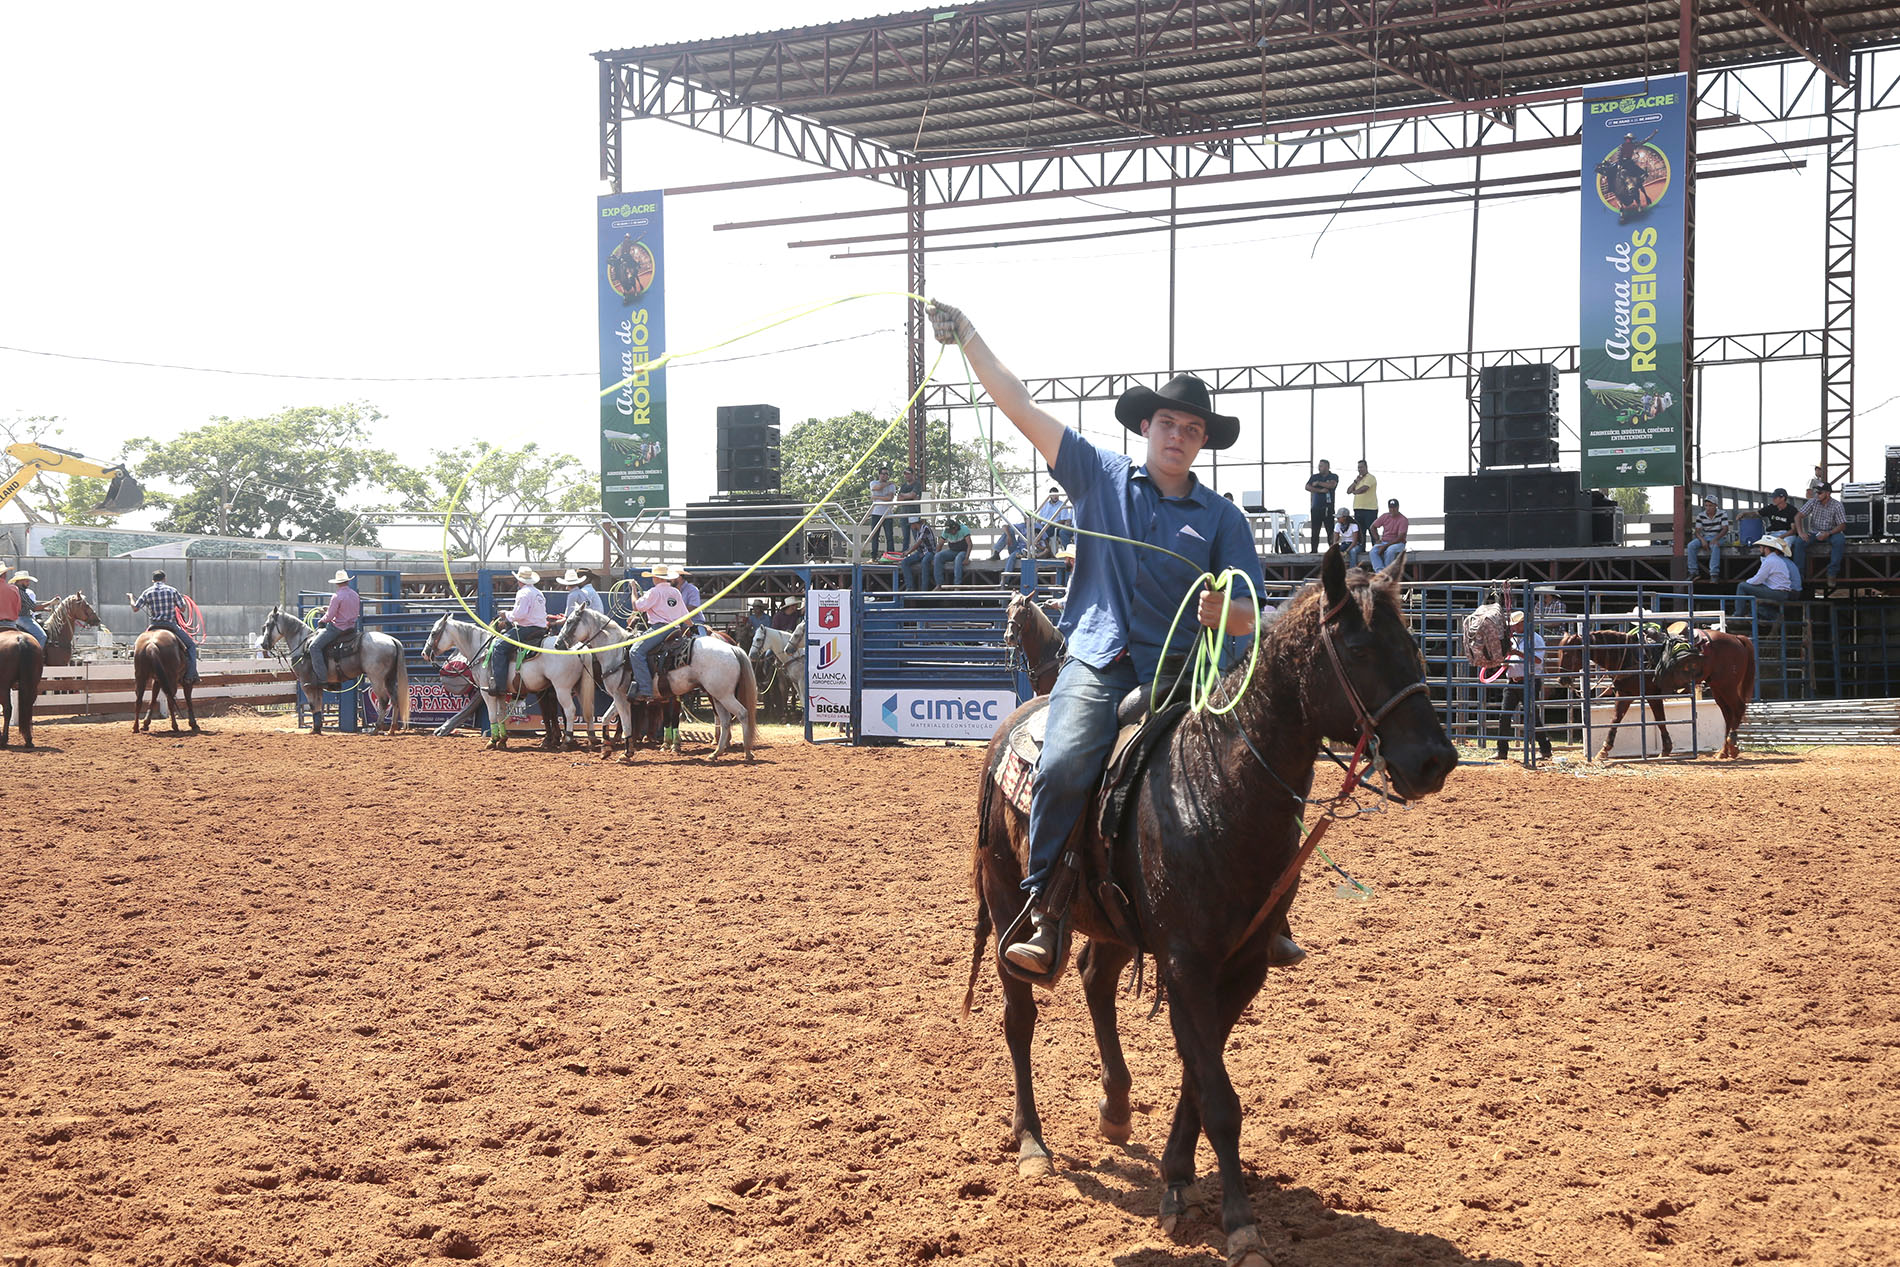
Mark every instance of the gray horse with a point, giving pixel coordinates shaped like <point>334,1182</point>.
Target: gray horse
<point>378,658</point>
<point>717,668</point>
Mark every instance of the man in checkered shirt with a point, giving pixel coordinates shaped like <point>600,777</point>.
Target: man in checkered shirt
<point>162,604</point>
<point>1823,522</point>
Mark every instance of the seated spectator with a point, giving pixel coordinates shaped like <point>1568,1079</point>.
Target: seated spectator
<point>1346,535</point>
<point>956,548</point>
<point>1777,517</point>
<point>1775,581</point>
<point>1711,526</point>
<point>1823,520</point>
<point>1547,608</point>
<point>918,563</point>
<point>1389,529</point>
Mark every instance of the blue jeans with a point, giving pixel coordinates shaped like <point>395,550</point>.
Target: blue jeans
<point>191,648</point>
<point>1836,553</point>
<point>888,526</point>
<point>1765,594</point>
<point>1693,551</point>
<point>1075,747</point>
<point>320,668</point>
<point>642,671</point>
<point>913,572</point>
<point>948,560</point>
<point>1385,552</point>
<point>32,626</point>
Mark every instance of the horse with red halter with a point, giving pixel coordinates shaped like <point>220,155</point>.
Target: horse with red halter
<point>1725,663</point>
<point>1622,655</point>
<point>20,664</point>
<point>159,661</point>
<point>1031,634</point>
<point>1207,855</point>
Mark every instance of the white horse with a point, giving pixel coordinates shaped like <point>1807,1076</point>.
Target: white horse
<point>716,667</point>
<point>378,659</point>
<point>611,670</point>
<point>787,649</point>
<point>562,674</point>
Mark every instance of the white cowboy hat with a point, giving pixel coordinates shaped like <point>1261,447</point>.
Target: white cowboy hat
<point>794,601</point>
<point>1516,617</point>
<point>341,577</point>
<point>675,572</point>
<point>527,575</point>
<point>1777,543</point>
<point>1543,589</point>
<point>571,577</point>
<point>24,578</point>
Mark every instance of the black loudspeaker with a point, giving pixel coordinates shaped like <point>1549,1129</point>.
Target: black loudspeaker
<point>1534,426</point>
<point>1603,512</point>
<point>1530,400</point>
<point>748,448</point>
<point>1893,470</point>
<point>1517,453</point>
<point>1566,529</point>
<point>1545,490</point>
<point>746,415</point>
<point>1467,493</point>
<point>1493,378</point>
<point>739,531</point>
<point>1477,530</point>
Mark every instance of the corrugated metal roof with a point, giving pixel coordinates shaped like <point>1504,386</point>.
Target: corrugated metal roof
<point>1009,73</point>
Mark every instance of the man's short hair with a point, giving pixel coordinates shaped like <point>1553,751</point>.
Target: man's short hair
<point>158,576</point>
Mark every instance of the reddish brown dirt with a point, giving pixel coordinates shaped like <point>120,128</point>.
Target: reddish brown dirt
<point>274,999</point>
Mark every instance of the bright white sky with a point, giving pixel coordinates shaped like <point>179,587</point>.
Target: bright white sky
<point>363,190</point>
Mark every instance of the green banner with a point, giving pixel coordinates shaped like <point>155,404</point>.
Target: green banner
<point>632,281</point>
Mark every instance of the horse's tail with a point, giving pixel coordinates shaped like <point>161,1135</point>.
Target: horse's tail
<point>399,691</point>
<point>749,698</point>
<point>981,940</point>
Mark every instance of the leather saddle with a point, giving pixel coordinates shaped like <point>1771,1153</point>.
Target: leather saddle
<point>336,653</point>
<point>675,651</point>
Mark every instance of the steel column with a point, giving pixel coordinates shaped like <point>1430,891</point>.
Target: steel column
<point>1837,321</point>
<point>914,312</point>
<point>1686,54</point>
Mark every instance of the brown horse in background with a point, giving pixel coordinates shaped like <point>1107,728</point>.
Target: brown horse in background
<point>1725,663</point>
<point>158,660</point>
<point>1620,654</point>
<point>64,618</point>
<point>20,665</point>
<point>1030,632</point>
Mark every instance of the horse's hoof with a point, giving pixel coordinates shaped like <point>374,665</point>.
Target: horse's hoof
<point>1034,1162</point>
<point>1113,1131</point>
<point>1244,1248</point>
<point>1176,1202</point>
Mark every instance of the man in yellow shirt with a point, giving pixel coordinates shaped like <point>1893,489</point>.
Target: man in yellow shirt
<point>1365,500</point>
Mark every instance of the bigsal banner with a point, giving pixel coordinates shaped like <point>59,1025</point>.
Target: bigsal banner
<point>1634,234</point>
<point>632,281</point>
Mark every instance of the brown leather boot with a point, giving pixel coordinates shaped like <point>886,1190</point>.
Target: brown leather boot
<point>1037,953</point>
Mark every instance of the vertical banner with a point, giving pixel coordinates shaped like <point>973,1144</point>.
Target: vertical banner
<point>632,282</point>
<point>828,657</point>
<point>1630,357</point>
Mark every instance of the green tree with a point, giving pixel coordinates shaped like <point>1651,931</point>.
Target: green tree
<point>1634,501</point>
<point>819,450</point>
<point>500,483</point>
<point>54,499</point>
<point>281,477</point>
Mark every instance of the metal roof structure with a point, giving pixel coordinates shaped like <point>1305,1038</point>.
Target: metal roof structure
<point>1008,102</point>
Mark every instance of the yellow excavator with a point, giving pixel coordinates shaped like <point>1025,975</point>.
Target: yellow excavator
<point>122,494</point>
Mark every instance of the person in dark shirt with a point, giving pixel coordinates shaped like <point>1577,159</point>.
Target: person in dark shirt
<point>1777,517</point>
<point>906,509</point>
<point>1322,484</point>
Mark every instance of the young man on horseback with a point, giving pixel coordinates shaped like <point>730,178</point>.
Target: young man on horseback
<point>161,604</point>
<point>344,610</point>
<point>663,604</point>
<point>1122,597</point>
<point>526,621</point>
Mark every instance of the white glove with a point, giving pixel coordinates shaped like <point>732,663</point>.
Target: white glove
<point>949,323</point>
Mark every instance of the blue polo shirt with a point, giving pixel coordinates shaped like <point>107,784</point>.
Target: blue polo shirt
<point>1123,597</point>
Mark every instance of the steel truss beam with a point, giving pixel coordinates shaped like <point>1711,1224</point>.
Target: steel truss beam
<point>1837,321</point>
<point>1395,51</point>
<point>1801,31</point>
<point>1721,349</point>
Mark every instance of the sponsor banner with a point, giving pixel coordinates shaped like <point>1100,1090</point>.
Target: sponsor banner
<point>935,714</point>
<point>431,699</point>
<point>829,611</point>
<point>1634,238</point>
<point>827,663</point>
<point>631,278</point>
<point>829,708</point>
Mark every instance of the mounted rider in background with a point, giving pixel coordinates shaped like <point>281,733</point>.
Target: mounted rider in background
<point>344,610</point>
<point>162,604</point>
<point>663,605</point>
<point>526,621</point>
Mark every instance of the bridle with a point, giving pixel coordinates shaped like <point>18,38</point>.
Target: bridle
<point>1368,719</point>
<point>1058,646</point>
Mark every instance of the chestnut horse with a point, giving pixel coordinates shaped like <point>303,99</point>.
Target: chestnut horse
<point>1620,653</point>
<point>20,665</point>
<point>1205,855</point>
<point>1725,663</point>
<point>158,660</point>
<point>1042,647</point>
<point>64,618</point>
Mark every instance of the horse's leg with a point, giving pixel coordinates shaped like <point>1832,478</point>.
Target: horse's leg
<point>1101,963</point>
<point>6,716</point>
<point>138,695</point>
<point>1662,723</point>
<point>191,710</point>
<point>1197,1009</point>
<point>1177,1158</point>
<point>1019,1030</point>
<point>1616,719</point>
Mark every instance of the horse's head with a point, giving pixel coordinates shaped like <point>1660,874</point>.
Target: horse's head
<point>433,647</point>
<point>80,611</point>
<point>1370,676</point>
<point>581,624</point>
<point>1570,651</point>
<point>1018,615</point>
<point>273,630</point>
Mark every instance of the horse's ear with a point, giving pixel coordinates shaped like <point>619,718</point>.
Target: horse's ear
<point>1332,574</point>
<point>1395,570</point>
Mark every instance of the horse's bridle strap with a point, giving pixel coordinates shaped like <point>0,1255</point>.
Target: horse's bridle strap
<point>1368,719</point>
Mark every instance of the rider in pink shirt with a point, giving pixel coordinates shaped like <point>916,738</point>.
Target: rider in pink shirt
<point>663,605</point>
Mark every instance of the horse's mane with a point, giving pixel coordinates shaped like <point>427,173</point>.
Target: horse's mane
<point>1296,627</point>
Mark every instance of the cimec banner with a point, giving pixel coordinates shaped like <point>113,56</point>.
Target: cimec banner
<point>632,281</point>
<point>1631,353</point>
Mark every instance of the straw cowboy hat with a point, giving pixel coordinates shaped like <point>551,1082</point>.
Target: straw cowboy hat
<point>676,573</point>
<point>658,572</point>
<point>1776,543</point>
<point>571,577</point>
<point>1516,618</point>
<point>527,575</point>
<point>1186,393</point>
<point>342,577</point>
<point>24,578</point>
<point>1066,554</point>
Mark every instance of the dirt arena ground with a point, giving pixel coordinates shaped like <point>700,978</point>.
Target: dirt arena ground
<point>271,999</point>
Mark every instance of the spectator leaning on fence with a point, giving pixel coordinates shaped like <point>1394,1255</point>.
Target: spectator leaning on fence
<point>1711,527</point>
<point>1389,530</point>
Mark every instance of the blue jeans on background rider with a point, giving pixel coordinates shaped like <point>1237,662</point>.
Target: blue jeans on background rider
<point>1693,552</point>
<point>948,560</point>
<point>642,670</point>
<point>1075,747</point>
<point>29,625</point>
<point>325,639</point>
<point>886,524</point>
<point>191,648</point>
<point>1836,554</point>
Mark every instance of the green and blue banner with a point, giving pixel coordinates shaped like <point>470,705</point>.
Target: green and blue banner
<point>1634,237</point>
<point>631,276</point>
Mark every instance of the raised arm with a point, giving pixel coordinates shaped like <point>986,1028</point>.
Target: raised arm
<point>1041,428</point>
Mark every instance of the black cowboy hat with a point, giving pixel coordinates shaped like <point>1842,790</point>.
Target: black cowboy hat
<point>1186,393</point>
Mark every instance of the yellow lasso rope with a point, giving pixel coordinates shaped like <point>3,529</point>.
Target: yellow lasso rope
<point>657,363</point>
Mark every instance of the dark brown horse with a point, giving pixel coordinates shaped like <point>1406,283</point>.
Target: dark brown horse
<point>1030,632</point>
<point>1212,830</point>
<point>1725,663</point>
<point>20,665</point>
<point>64,618</point>
<point>1630,660</point>
<point>159,661</point>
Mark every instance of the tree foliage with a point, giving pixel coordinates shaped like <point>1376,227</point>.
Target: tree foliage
<point>1634,501</point>
<point>819,450</point>
<point>499,483</point>
<point>54,499</point>
<point>281,477</point>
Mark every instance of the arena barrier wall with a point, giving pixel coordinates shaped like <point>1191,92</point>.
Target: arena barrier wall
<point>107,688</point>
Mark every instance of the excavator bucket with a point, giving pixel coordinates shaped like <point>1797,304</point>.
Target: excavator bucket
<point>123,494</point>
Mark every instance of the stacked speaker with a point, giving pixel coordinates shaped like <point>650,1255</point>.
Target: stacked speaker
<point>740,528</point>
<point>748,449</point>
<point>1519,510</point>
<point>1517,415</point>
